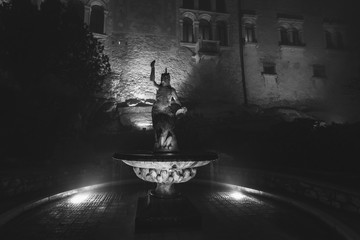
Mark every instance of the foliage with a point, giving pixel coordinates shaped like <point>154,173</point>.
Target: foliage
<point>52,40</point>
<point>50,68</point>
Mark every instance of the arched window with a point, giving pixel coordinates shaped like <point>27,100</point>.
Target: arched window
<point>205,5</point>
<point>284,37</point>
<point>188,35</point>
<point>204,30</point>
<point>249,33</point>
<point>220,6</point>
<point>97,19</point>
<point>222,33</point>
<point>189,4</point>
<point>290,36</point>
<point>291,29</point>
<point>334,39</point>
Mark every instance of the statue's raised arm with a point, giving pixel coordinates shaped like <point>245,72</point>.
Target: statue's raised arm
<point>152,74</point>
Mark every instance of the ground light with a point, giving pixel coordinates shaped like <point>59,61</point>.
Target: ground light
<point>79,198</point>
<point>237,195</point>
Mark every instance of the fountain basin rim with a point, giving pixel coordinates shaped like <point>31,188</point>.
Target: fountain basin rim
<point>166,161</point>
<point>166,157</point>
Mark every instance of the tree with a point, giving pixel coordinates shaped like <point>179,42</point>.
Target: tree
<point>50,67</point>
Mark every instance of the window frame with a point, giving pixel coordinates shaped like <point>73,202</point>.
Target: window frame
<point>292,28</point>
<point>334,34</point>
<point>87,15</point>
<point>205,32</point>
<point>96,25</point>
<point>188,25</point>
<point>249,23</point>
<point>269,68</point>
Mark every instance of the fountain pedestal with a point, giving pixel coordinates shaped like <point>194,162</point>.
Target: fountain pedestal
<point>169,214</point>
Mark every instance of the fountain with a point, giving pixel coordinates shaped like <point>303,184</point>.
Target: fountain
<point>164,207</point>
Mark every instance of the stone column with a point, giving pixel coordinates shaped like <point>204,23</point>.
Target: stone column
<point>213,31</point>
<point>254,34</point>
<point>279,35</point>
<point>290,35</point>
<point>181,29</point>
<point>196,30</point>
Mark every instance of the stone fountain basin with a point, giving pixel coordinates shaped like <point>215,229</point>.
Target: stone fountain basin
<point>165,169</point>
<point>166,161</point>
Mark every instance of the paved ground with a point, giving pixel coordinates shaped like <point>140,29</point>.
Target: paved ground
<point>109,213</point>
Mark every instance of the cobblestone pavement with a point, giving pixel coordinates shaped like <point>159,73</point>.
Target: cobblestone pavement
<point>109,213</point>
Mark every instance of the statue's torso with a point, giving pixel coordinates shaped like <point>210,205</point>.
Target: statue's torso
<point>163,98</point>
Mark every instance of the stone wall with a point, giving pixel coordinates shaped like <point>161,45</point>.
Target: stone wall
<point>143,31</point>
<point>140,31</point>
<point>294,64</point>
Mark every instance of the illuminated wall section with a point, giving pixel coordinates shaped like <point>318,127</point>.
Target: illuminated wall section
<point>296,70</point>
<point>143,31</point>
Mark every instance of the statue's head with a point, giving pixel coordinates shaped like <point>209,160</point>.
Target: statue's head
<point>165,78</point>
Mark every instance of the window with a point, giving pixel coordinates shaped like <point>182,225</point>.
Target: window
<point>220,6</point>
<point>222,33</point>
<point>97,19</point>
<point>290,30</point>
<point>270,77</point>
<point>284,37</point>
<point>334,36</point>
<point>250,33</point>
<point>269,68</point>
<point>202,27</point>
<point>249,26</point>
<point>329,40</point>
<point>204,30</point>
<point>334,40</point>
<point>189,4</point>
<point>188,35</point>
<point>319,71</point>
<point>290,36</point>
<point>205,5</point>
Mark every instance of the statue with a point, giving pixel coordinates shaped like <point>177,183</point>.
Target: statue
<point>164,112</point>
